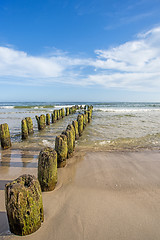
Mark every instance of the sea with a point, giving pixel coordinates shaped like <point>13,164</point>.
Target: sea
<point>115,126</point>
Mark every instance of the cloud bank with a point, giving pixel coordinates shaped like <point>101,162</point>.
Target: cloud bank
<point>134,65</point>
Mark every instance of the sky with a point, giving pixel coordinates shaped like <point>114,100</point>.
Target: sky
<point>71,50</point>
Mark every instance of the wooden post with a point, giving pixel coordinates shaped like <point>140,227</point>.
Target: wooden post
<point>29,125</point>
<point>61,149</point>
<point>47,169</point>
<point>24,205</point>
<point>24,129</point>
<point>5,136</point>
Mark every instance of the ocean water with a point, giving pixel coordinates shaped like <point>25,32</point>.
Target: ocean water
<point>114,126</point>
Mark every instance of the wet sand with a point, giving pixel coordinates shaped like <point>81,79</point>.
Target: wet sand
<point>100,195</point>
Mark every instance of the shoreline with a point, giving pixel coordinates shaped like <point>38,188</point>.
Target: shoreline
<point>99,195</point>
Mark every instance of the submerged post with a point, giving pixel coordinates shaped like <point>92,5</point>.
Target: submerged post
<point>5,136</point>
<point>24,205</point>
<point>47,169</point>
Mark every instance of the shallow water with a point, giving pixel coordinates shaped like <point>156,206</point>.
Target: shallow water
<point>114,126</point>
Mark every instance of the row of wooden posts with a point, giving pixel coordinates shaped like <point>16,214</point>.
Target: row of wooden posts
<point>23,196</point>
<point>27,124</point>
<point>43,120</point>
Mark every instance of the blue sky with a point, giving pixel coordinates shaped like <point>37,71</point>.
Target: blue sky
<point>61,50</point>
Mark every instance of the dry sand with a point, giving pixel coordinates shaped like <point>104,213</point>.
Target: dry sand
<point>99,196</point>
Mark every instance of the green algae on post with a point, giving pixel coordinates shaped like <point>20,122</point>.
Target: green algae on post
<point>61,149</point>
<point>54,119</point>
<point>47,119</point>
<point>70,127</point>
<point>60,113</point>
<point>42,122</point>
<point>85,120</point>
<point>70,142</point>
<point>5,136</point>
<point>63,112</point>
<point>57,114</point>
<point>24,129</point>
<point>67,111</point>
<point>47,169</point>
<point>80,124</point>
<point>75,125</point>
<point>29,125</point>
<point>23,199</point>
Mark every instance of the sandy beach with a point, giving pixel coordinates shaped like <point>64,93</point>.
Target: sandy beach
<point>99,195</point>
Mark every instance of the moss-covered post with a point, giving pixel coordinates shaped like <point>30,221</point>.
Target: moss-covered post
<point>61,149</point>
<point>89,115</point>
<point>47,169</point>
<point>70,127</point>
<point>75,125</point>
<point>42,122</point>
<point>70,142</point>
<point>67,111</point>
<point>85,120</point>
<point>47,119</point>
<point>57,114</point>
<point>60,113</point>
<point>24,129</point>
<point>63,112</point>
<point>5,136</point>
<point>24,205</point>
<point>54,116</point>
<point>70,110</point>
<point>29,125</point>
<point>80,124</point>
<point>37,118</point>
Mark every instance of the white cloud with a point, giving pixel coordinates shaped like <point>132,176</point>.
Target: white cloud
<point>134,65</point>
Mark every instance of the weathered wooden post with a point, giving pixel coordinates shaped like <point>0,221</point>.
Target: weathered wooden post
<point>85,120</point>
<point>70,127</point>
<point>5,136</point>
<point>60,113</point>
<point>67,111</point>
<point>29,125</point>
<point>54,116</point>
<point>47,169</point>
<point>63,113</point>
<point>61,149</point>
<point>24,129</point>
<point>70,142</point>
<point>89,116</point>
<point>47,119</point>
<point>75,125</point>
<point>24,205</point>
<point>80,124</point>
<point>70,110</point>
<point>41,122</point>
<point>57,114</point>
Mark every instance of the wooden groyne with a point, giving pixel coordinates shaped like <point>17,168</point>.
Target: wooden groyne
<point>27,125</point>
<point>23,195</point>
